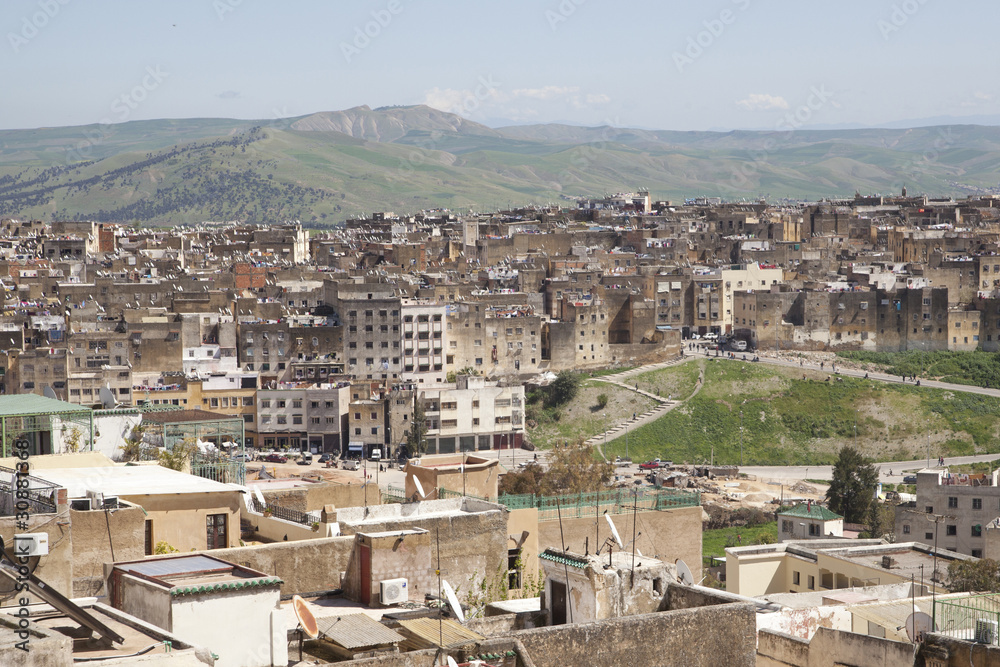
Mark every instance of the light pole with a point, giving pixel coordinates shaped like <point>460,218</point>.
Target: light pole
<point>741,437</point>
<point>604,419</point>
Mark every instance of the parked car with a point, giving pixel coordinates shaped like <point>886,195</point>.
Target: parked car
<point>305,459</point>
<point>276,458</point>
<point>650,465</point>
<point>241,456</point>
<point>324,457</point>
<point>350,464</point>
<point>909,479</point>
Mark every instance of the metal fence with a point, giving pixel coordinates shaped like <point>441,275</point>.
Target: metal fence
<point>393,494</point>
<point>227,472</point>
<point>286,513</point>
<point>41,494</point>
<point>973,618</point>
<point>593,504</point>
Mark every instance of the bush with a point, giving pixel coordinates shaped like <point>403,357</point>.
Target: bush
<point>602,401</point>
<point>563,389</point>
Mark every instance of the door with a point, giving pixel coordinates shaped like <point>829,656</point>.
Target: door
<point>218,537</point>
<point>558,602</point>
<point>366,574</point>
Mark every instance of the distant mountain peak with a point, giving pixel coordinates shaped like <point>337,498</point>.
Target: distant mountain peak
<point>387,124</point>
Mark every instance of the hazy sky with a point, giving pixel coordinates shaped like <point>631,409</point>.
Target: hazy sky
<point>719,64</point>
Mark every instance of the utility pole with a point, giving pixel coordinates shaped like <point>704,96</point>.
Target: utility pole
<point>741,438</point>
<point>936,519</point>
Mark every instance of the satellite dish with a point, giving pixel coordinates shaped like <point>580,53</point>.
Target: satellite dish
<point>918,624</point>
<point>684,573</point>
<point>451,662</point>
<point>614,530</point>
<point>259,496</point>
<point>306,619</point>
<point>456,607</point>
<point>107,398</point>
<point>420,488</point>
<point>49,392</point>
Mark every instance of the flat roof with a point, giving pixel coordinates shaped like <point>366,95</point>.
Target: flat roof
<point>186,575</point>
<point>32,404</point>
<point>130,481</point>
<point>176,416</point>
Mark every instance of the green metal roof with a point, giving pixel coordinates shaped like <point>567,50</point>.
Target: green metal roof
<point>225,586</point>
<point>563,560</point>
<point>33,404</point>
<point>803,511</point>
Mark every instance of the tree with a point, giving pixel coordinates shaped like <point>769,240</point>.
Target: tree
<point>974,575</point>
<point>416,443</point>
<point>134,445</point>
<point>882,521</point>
<point>563,389</point>
<point>852,489</point>
<point>178,457</point>
<point>575,469</point>
<point>525,481</point>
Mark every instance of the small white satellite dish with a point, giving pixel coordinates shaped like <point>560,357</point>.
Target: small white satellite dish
<point>614,530</point>
<point>49,392</point>
<point>451,662</point>
<point>107,398</point>
<point>456,607</point>
<point>684,573</point>
<point>420,488</point>
<point>259,496</point>
<point>918,624</point>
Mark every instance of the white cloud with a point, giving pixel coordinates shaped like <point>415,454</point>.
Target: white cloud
<point>545,93</point>
<point>445,99</point>
<point>762,102</point>
<point>599,98</point>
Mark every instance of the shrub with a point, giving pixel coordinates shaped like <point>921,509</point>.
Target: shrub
<point>602,401</point>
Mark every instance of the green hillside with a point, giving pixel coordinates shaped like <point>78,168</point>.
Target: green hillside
<point>791,421</point>
<point>326,167</point>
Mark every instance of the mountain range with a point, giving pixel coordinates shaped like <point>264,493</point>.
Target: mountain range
<point>325,167</point>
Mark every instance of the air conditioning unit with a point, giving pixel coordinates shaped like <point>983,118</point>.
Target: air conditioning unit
<point>99,501</point>
<point>986,631</point>
<point>81,504</point>
<point>31,544</point>
<point>394,591</point>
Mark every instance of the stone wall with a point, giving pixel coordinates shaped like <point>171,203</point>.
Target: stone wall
<point>958,653</point>
<point>666,535</point>
<point>722,634</point>
<point>304,567</point>
<point>776,649</point>
<point>101,537</point>
<point>312,497</point>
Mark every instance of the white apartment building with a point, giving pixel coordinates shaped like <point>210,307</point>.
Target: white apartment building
<point>472,414</point>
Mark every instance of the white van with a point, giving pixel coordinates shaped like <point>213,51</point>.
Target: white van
<point>376,455</point>
<point>350,464</point>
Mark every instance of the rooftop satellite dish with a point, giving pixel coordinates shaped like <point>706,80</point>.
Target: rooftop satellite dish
<point>684,573</point>
<point>456,607</point>
<point>917,625</point>
<point>107,398</point>
<point>420,488</point>
<point>451,662</point>
<point>259,496</point>
<point>614,530</point>
<point>306,619</point>
<point>49,392</point>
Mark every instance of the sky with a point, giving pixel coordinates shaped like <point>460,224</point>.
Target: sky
<point>666,64</point>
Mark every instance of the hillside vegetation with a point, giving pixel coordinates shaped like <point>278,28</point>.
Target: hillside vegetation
<point>326,167</point>
<point>791,421</point>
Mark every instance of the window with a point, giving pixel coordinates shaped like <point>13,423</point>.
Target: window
<point>977,530</point>
<point>977,503</point>
<point>977,553</point>
<point>952,501</point>
<point>795,578</point>
<point>906,529</point>
<point>951,530</point>
<point>786,526</point>
<point>217,533</point>
<point>282,419</point>
<point>149,537</point>
<point>928,536</point>
<point>265,404</point>
<point>296,419</point>
<point>812,583</point>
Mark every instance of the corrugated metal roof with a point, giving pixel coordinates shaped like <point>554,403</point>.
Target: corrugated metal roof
<point>434,632</point>
<point>803,510</point>
<point>354,631</point>
<point>30,404</point>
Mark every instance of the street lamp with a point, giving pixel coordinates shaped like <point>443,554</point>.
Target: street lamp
<point>741,438</point>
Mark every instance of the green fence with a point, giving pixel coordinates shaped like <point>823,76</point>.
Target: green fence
<point>973,618</point>
<point>592,504</point>
<point>393,494</point>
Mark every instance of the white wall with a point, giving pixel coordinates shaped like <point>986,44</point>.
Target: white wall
<point>235,625</point>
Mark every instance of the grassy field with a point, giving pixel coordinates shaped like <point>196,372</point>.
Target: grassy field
<point>582,418</point>
<point>981,369</point>
<point>676,381</point>
<point>790,421</point>
<point>713,542</point>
